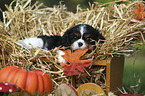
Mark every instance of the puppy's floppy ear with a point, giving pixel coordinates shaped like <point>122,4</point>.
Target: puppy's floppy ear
<point>99,36</point>
<point>65,39</point>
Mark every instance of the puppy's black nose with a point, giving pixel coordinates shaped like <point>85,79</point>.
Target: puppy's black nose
<point>80,44</point>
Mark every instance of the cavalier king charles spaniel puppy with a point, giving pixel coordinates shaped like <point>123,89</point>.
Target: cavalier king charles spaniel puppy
<point>78,37</point>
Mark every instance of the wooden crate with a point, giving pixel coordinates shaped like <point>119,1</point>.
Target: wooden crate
<point>114,72</point>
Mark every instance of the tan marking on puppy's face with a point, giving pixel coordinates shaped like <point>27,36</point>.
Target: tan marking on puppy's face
<point>77,34</point>
<point>86,35</point>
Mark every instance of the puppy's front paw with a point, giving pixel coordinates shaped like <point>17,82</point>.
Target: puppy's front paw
<point>60,59</point>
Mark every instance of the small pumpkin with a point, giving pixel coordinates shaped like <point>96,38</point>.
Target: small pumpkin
<point>30,81</point>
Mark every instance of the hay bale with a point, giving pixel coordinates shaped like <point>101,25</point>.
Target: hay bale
<point>25,20</point>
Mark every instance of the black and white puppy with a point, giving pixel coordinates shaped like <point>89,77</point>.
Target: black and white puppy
<point>78,37</point>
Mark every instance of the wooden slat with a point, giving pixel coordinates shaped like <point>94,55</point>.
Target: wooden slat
<point>100,62</point>
<point>43,59</point>
<point>114,73</point>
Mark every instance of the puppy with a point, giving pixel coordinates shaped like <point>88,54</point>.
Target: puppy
<point>81,36</point>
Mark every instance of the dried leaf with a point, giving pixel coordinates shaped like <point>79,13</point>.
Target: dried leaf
<point>139,12</point>
<point>75,64</point>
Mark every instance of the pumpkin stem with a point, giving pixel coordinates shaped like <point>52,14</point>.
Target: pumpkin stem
<point>28,66</point>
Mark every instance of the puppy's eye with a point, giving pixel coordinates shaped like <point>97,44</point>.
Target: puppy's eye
<point>75,37</point>
<point>88,38</point>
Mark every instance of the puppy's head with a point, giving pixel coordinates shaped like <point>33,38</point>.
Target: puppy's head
<point>81,36</point>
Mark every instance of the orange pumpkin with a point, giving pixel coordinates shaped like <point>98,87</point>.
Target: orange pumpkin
<point>30,81</point>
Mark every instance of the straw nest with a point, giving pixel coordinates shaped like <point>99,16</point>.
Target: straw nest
<point>23,20</point>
